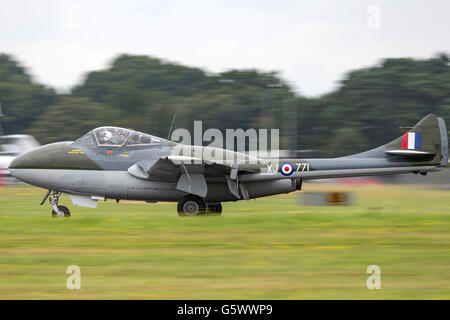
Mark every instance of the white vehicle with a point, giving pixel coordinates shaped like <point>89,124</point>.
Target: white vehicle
<point>17,143</point>
<point>10,147</point>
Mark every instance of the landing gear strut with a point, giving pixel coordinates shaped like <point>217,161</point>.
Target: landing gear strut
<point>195,206</point>
<point>58,211</point>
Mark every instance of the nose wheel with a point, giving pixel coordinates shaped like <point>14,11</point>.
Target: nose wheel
<point>58,211</point>
<point>65,212</point>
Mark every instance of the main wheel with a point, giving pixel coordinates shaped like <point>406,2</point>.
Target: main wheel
<point>215,209</point>
<point>64,210</point>
<point>191,206</point>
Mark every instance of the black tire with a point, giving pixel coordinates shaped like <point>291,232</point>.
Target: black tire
<point>64,209</point>
<point>215,209</point>
<point>191,206</point>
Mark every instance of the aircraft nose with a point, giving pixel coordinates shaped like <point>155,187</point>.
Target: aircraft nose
<point>39,158</point>
<point>16,163</point>
<point>32,167</point>
<point>20,162</point>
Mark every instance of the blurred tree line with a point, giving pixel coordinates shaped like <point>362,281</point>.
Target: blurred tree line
<point>140,92</point>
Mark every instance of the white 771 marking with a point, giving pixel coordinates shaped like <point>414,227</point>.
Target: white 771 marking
<point>302,166</point>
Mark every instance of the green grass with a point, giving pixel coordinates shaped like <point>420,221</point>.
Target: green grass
<point>270,248</point>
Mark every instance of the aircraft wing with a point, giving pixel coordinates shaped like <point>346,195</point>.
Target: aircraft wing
<point>168,168</point>
<point>188,172</point>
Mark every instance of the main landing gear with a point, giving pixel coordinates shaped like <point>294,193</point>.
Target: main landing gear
<point>195,206</point>
<point>58,211</point>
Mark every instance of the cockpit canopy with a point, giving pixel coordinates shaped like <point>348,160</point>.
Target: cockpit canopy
<point>117,137</point>
<point>111,137</point>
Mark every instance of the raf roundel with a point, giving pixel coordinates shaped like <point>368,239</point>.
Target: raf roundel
<point>287,169</point>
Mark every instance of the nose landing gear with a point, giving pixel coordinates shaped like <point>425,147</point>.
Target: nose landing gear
<point>64,212</point>
<point>58,211</point>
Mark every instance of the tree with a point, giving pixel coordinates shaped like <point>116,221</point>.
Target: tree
<point>22,100</point>
<point>144,93</point>
<point>378,102</point>
<point>70,118</point>
<point>345,141</point>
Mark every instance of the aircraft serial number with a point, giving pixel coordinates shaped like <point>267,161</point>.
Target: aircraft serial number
<point>303,166</point>
<point>297,167</point>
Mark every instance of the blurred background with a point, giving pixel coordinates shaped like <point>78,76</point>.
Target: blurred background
<point>325,74</point>
<point>335,77</point>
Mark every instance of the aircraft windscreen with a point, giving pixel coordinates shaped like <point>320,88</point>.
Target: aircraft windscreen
<point>111,136</point>
<point>87,139</point>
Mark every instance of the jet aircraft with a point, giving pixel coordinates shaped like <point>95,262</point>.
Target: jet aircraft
<point>117,163</point>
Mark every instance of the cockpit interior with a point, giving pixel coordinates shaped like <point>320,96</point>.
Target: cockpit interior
<point>117,137</point>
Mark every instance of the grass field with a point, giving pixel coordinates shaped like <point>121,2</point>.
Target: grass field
<point>270,248</point>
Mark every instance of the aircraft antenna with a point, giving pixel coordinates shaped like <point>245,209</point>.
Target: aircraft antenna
<point>171,126</point>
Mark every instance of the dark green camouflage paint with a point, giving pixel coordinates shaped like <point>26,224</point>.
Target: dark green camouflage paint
<point>431,140</point>
<point>61,155</point>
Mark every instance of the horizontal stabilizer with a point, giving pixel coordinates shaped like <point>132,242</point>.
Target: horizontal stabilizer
<point>410,153</point>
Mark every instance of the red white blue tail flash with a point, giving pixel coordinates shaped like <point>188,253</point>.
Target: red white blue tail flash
<point>287,169</point>
<point>412,140</point>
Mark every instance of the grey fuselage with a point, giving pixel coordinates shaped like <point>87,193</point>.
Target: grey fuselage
<point>89,170</point>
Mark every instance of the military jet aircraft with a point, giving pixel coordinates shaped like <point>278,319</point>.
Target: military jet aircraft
<point>117,163</point>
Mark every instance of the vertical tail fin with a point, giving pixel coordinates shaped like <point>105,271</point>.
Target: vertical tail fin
<point>426,141</point>
<point>424,144</point>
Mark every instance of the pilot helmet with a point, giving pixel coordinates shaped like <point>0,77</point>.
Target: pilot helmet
<point>107,135</point>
